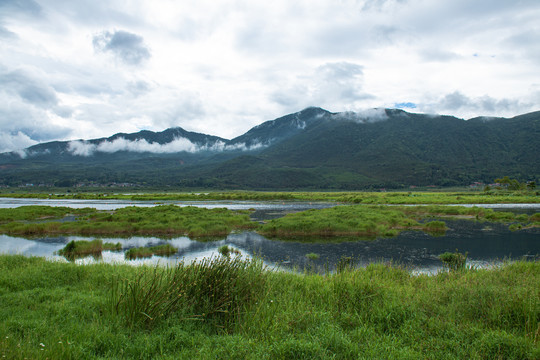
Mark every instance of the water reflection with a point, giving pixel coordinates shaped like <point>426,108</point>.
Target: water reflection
<point>486,244</point>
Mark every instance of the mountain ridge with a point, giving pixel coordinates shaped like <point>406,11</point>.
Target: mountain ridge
<point>310,149</point>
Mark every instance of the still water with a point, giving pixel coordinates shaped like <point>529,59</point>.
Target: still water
<point>487,244</point>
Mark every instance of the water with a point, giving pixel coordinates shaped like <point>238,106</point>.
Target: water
<point>487,244</point>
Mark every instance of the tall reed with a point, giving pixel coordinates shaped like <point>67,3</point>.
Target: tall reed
<point>216,290</point>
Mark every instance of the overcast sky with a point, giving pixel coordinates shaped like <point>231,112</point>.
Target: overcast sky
<point>72,69</point>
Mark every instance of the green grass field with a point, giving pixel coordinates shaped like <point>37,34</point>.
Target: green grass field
<point>227,308</point>
<point>364,197</point>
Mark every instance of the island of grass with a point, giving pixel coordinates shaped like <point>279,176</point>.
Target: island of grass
<point>146,252</point>
<point>77,249</point>
<point>231,308</point>
<point>164,220</point>
<point>369,221</point>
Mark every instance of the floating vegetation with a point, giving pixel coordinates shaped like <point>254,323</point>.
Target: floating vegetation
<point>313,256</point>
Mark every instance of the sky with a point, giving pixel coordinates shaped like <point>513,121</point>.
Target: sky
<point>88,69</point>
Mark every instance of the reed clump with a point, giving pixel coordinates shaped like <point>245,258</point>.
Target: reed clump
<point>214,290</point>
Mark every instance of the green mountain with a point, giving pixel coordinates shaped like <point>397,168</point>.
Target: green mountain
<point>311,149</point>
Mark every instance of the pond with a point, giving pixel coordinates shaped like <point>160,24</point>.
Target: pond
<point>487,244</point>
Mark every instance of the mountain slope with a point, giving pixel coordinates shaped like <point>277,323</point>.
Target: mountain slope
<point>311,149</point>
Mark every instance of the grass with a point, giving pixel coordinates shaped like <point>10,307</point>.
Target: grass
<point>146,252</point>
<point>226,250</point>
<point>364,197</point>
<point>230,308</point>
<point>371,221</point>
<point>77,249</point>
<point>345,222</point>
<point>162,221</point>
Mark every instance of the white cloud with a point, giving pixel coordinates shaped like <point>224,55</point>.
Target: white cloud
<point>85,148</point>
<point>363,116</point>
<point>15,142</point>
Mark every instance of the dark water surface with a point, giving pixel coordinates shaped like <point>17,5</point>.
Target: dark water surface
<point>487,244</point>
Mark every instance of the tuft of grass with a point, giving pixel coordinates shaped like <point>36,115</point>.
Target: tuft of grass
<point>313,256</point>
<point>81,248</point>
<point>146,252</point>
<point>216,290</point>
<point>227,251</point>
<point>454,261</point>
<point>112,246</point>
<point>435,227</point>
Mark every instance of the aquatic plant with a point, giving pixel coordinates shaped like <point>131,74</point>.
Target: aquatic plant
<point>313,256</point>
<point>454,261</point>
<point>227,250</point>
<point>435,227</point>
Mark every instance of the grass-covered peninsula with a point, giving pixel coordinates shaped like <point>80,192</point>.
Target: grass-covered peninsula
<point>227,308</point>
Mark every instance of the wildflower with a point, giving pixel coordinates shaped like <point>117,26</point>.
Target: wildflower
<point>42,344</point>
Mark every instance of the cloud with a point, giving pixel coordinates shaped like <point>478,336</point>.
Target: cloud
<point>28,87</point>
<point>15,141</point>
<point>85,148</point>
<point>336,85</point>
<point>459,103</point>
<point>128,47</point>
<point>10,7</point>
<point>363,116</point>
<point>6,34</point>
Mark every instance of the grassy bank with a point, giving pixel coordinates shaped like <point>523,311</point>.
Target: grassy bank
<point>440,197</point>
<point>231,309</point>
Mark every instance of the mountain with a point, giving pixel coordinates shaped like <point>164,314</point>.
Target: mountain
<point>311,149</point>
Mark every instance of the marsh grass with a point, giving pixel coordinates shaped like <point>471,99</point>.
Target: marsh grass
<point>455,261</point>
<point>233,309</point>
<point>77,249</point>
<point>226,250</point>
<point>215,290</point>
<point>163,220</point>
<point>364,197</point>
<point>146,252</point>
<point>344,221</point>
